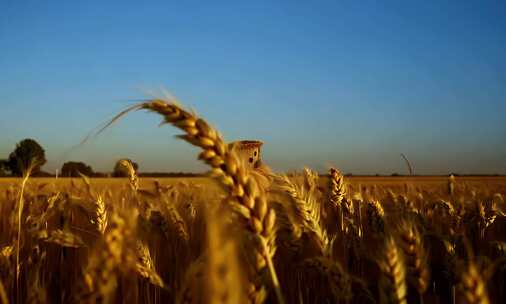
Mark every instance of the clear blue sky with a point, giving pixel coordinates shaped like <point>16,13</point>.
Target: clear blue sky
<point>346,83</point>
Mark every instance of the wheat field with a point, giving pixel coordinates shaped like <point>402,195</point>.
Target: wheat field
<point>245,235</point>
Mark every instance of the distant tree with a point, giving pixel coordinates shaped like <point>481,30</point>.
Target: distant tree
<point>28,153</point>
<point>3,167</point>
<point>120,170</point>
<point>72,169</point>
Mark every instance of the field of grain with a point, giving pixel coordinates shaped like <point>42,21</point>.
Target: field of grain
<point>248,235</point>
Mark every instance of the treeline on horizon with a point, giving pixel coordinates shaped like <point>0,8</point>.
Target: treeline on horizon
<point>29,153</point>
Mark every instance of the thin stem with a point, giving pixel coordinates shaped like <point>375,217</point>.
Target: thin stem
<point>3,294</point>
<point>272,271</point>
<point>453,294</point>
<point>20,212</point>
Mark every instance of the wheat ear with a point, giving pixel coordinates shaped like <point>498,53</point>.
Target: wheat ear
<point>244,192</point>
<point>307,209</point>
<point>145,265</point>
<point>375,216</point>
<point>100,275</point>
<point>64,238</point>
<point>415,255</point>
<point>392,283</point>
<point>100,220</point>
<point>132,175</point>
<point>337,190</point>
<point>337,197</point>
<point>473,286</point>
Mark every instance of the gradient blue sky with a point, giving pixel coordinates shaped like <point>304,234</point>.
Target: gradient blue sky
<point>346,83</point>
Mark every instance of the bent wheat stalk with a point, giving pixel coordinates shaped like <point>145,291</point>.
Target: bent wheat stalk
<point>245,196</point>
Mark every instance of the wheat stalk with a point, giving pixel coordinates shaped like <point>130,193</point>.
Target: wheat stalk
<point>408,164</point>
<point>451,185</point>
<point>145,266</point>
<point>473,286</point>
<point>3,294</point>
<point>375,216</point>
<point>100,275</point>
<point>411,243</point>
<point>245,194</point>
<point>63,238</point>
<point>100,215</point>
<point>307,208</point>
<point>190,291</point>
<point>337,189</point>
<point>392,283</point>
<point>176,220</point>
<point>87,183</point>
<point>337,197</point>
<point>223,281</point>
<point>21,202</point>
<point>132,175</point>
<point>6,253</point>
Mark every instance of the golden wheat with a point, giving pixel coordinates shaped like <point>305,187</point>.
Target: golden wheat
<point>145,265</point>
<point>223,276</point>
<point>176,220</point>
<point>410,241</point>
<point>473,286</point>
<point>3,294</point>
<point>132,175</point>
<point>307,208</point>
<point>246,197</point>
<point>63,238</point>
<point>101,219</point>
<point>392,284</point>
<point>337,190</point>
<point>108,260</point>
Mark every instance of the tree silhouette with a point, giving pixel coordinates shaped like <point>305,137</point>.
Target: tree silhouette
<point>28,154</point>
<point>120,170</point>
<point>72,169</point>
<point>3,167</point>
